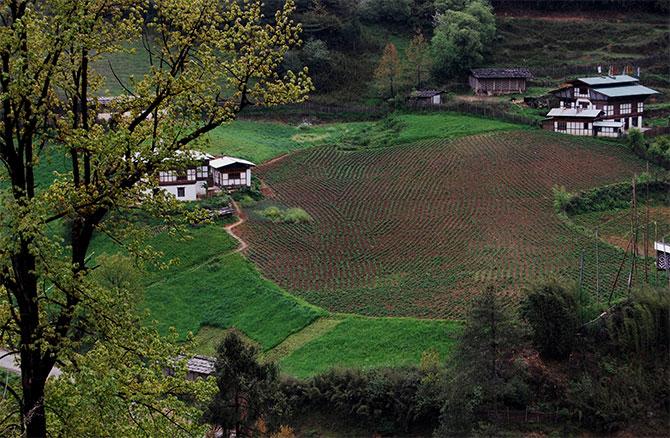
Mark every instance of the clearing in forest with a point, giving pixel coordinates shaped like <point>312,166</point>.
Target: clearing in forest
<point>417,230</point>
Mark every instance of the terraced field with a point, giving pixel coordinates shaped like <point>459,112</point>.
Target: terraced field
<point>417,230</point>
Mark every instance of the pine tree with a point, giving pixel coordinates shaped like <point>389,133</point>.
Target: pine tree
<point>387,74</point>
<point>481,369</point>
<point>248,391</point>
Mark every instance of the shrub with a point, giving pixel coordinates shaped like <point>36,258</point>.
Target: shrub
<point>247,201</point>
<point>273,213</point>
<point>296,216</point>
<point>561,198</point>
<point>389,400</point>
<point>635,140</point>
<point>552,311</point>
<point>289,216</point>
<point>215,202</point>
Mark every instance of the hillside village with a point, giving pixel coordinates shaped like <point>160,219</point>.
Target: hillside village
<point>347,218</point>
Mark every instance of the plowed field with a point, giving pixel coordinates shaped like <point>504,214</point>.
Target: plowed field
<point>418,230</point>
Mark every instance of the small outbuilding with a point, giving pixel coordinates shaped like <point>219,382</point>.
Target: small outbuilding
<point>494,81</point>
<point>425,97</point>
<point>662,255</point>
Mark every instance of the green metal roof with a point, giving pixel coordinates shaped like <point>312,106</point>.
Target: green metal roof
<point>626,90</point>
<point>608,80</point>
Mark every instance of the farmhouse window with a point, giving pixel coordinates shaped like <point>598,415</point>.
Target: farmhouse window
<point>640,107</point>
<point>562,126</point>
<point>234,175</point>
<point>202,172</point>
<point>167,177</point>
<point>181,192</point>
<point>609,110</point>
<point>583,91</point>
<point>190,174</point>
<point>635,121</point>
<point>625,108</point>
<point>586,125</point>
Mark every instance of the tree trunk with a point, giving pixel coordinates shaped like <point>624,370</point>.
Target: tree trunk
<point>33,382</point>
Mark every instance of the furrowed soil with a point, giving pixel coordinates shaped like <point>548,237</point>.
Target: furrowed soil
<point>420,229</point>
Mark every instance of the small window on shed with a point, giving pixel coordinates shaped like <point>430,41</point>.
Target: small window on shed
<point>234,175</point>
<point>562,126</point>
<point>181,192</point>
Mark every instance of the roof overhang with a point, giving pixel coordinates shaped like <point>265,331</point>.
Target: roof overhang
<point>221,162</point>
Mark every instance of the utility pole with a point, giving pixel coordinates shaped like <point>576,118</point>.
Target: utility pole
<point>646,232</point>
<point>634,225</point>
<point>597,269</point>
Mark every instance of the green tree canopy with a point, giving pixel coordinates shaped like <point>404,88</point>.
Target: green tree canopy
<point>247,390</point>
<point>208,60</point>
<point>462,38</point>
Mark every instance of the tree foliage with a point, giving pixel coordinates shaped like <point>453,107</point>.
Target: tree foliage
<point>208,60</point>
<point>247,390</point>
<point>462,37</point>
<point>552,311</point>
<point>387,74</point>
<point>482,373</point>
<point>419,61</point>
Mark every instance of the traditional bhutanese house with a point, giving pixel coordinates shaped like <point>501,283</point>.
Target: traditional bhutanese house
<point>229,172</point>
<point>620,97</point>
<point>492,81</point>
<point>574,120</point>
<point>204,174</point>
<point>189,182</point>
<point>425,97</point>
<point>662,255</point>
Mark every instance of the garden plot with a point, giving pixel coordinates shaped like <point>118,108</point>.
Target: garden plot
<point>418,230</point>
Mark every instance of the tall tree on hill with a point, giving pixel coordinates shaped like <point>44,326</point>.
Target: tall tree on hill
<point>209,59</point>
<point>387,74</point>
<point>481,369</point>
<point>462,38</point>
<point>247,390</point>
<point>418,60</point>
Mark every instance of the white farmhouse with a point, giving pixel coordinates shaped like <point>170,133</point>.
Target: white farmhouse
<point>206,175</point>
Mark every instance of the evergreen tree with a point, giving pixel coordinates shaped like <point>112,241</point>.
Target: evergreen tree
<point>248,391</point>
<point>552,311</point>
<point>481,370</point>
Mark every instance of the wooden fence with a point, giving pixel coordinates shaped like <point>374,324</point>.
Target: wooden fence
<point>311,109</point>
<point>478,110</point>
<point>657,130</point>
<point>517,416</point>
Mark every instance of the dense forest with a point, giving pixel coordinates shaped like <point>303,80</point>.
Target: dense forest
<point>370,49</point>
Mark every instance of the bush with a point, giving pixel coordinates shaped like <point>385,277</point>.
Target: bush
<point>215,202</point>
<point>635,140</point>
<point>552,311</point>
<point>610,197</point>
<point>297,216</point>
<point>561,198</point>
<point>247,201</point>
<point>273,213</point>
<point>390,401</point>
<point>289,216</point>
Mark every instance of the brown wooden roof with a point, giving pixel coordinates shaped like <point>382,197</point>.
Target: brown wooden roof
<point>501,73</point>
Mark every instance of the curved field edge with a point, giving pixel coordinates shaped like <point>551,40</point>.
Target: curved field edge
<point>479,209</point>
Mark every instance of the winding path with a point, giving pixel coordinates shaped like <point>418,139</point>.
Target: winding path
<point>241,218</point>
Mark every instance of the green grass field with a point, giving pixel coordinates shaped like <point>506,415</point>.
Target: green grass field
<point>259,141</point>
<point>448,126</point>
<point>359,342</point>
